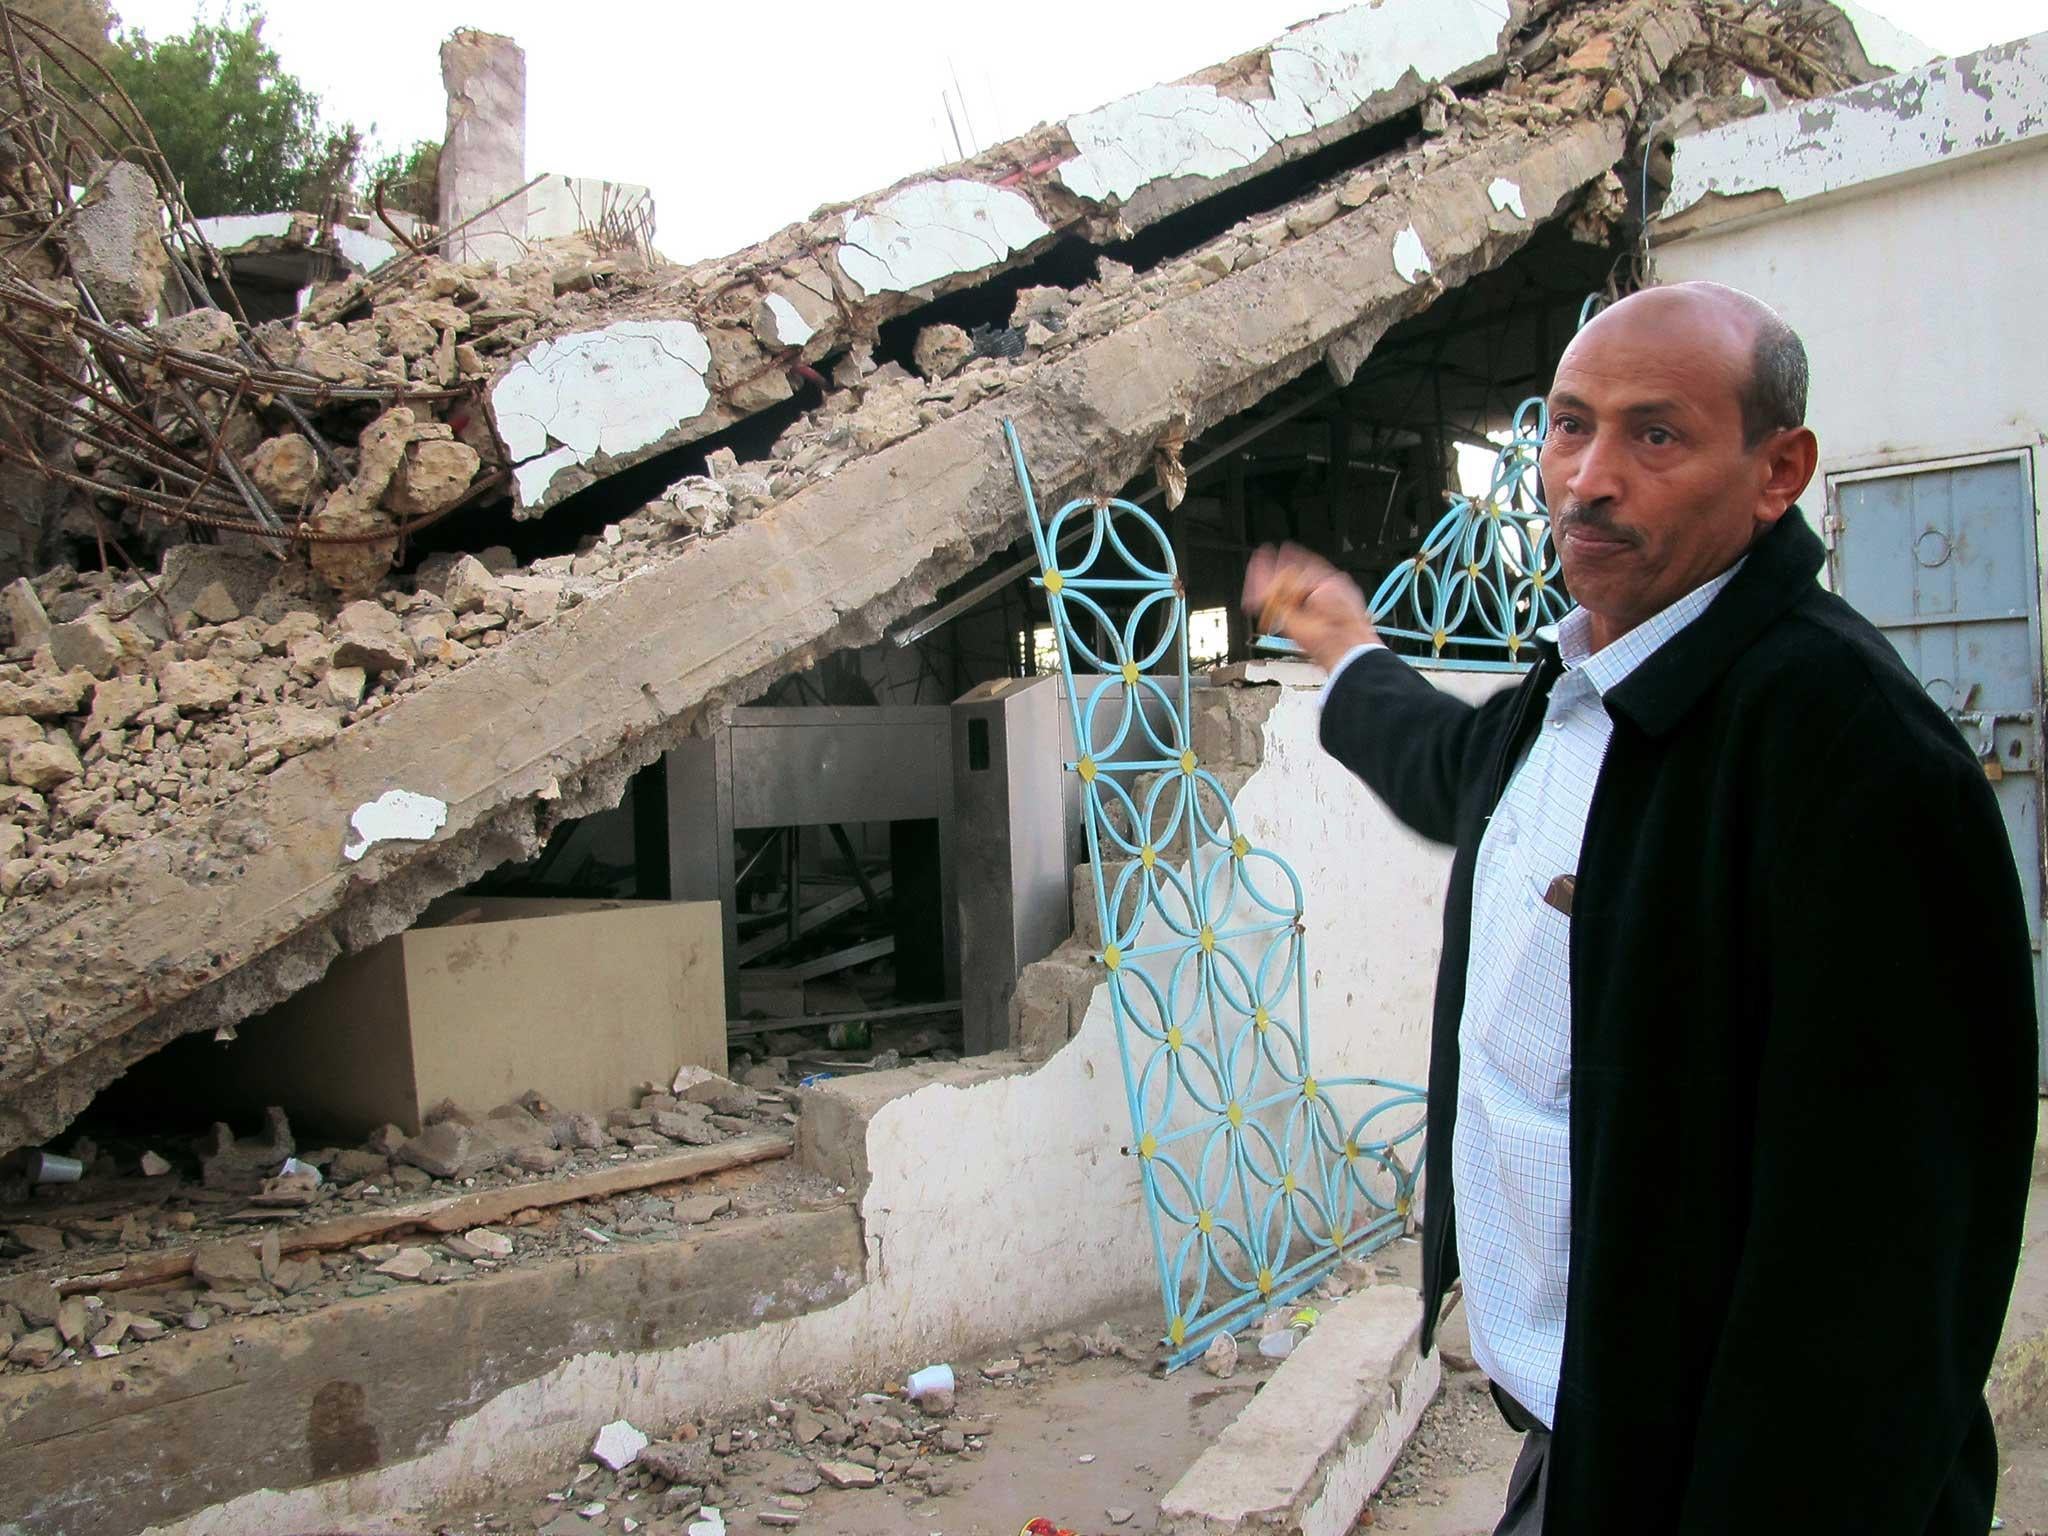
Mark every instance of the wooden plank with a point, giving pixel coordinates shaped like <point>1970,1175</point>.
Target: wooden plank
<point>826,1020</point>
<point>458,1212</point>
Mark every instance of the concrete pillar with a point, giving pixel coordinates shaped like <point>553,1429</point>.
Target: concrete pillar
<point>484,154</point>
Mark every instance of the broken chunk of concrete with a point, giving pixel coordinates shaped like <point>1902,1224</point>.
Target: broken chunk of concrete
<point>37,1349</point>
<point>1220,1358</point>
<point>407,1264</point>
<point>241,1166</point>
<point>286,470</point>
<point>291,730</point>
<point>45,697</point>
<point>432,476</point>
<point>116,245</point>
<point>848,1474</point>
<point>198,687</point>
<point>226,1266</point>
<point>215,604</point>
<point>27,623</point>
<point>494,1245</point>
<point>471,588</point>
<point>153,1166</point>
<point>351,511</point>
<point>369,635</point>
<point>448,1150</point>
<point>44,765</point>
<point>89,642</point>
<point>941,350</point>
<point>118,701</point>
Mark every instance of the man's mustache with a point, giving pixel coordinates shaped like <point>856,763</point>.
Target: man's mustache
<point>1593,517</point>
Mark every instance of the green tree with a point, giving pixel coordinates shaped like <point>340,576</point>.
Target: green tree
<point>411,180</point>
<point>86,23</point>
<point>241,132</point>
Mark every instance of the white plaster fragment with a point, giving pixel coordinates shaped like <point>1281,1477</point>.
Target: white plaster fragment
<point>367,252</point>
<point>791,328</point>
<point>936,229</point>
<point>396,816</point>
<point>532,479</point>
<point>1904,123</point>
<point>1320,73</point>
<point>1506,197</point>
<point>603,392</point>
<point>1410,259</point>
<point>618,1445</point>
<point>231,231</point>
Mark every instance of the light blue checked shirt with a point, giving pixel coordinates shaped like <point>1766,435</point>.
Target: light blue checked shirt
<point>1511,1154</point>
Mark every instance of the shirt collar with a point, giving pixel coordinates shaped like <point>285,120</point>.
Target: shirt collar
<point>1605,669</point>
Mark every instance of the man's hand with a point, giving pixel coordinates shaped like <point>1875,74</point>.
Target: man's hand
<point>1290,591</point>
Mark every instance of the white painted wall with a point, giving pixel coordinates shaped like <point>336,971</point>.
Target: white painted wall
<point>558,205</point>
<point>1037,1221</point>
<point>1916,279</point>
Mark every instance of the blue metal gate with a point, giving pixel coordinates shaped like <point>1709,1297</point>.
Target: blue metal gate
<point>1942,560</point>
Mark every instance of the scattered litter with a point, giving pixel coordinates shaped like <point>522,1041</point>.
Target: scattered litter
<point>709,1523</point>
<point>1279,1345</point>
<point>397,815</point>
<point>1119,1516</point>
<point>618,1445</point>
<point>815,1078</point>
<point>1044,1527</point>
<point>1087,1459</point>
<point>294,1168</point>
<point>591,1510</point>
<point>933,1379</point>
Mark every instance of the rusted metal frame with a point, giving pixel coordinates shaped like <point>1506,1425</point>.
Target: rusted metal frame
<point>251,349</point>
<point>244,486</point>
<point>253,498</point>
<point>180,469</point>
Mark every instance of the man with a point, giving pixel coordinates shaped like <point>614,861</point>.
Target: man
<point>1731,1092</point>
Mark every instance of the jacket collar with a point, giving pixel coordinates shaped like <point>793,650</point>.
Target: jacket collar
<point>1780,570</point>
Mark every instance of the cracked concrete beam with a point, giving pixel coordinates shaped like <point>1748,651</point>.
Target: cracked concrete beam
<point>1163,148</point>
<point>1102,174</point>
<point>1902,125</point>
<point>222,915</point>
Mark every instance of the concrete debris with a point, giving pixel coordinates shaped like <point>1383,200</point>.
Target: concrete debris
<point>848,1474</point>
<point>241,1166</point>
<point>618,1444</point>
<point>452,1151</point>
<point>153,1166</point>
<point>408,1264</point>
<point>216,709</point>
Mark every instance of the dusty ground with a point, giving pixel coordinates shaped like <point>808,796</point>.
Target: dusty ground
<point>1091,1445</point>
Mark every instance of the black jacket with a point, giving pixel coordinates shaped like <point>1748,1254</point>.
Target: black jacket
<point>1803,1067</point>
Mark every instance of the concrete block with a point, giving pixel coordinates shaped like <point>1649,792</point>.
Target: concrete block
<point>1052,996</point>
<point>1309,1450</point>
<point>832,1132</point>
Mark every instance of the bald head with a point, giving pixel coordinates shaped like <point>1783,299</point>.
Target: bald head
<point>1764,355</point>
<point>1675,438</point>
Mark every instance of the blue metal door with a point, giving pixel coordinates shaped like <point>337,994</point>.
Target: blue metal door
<point>1943,561</point>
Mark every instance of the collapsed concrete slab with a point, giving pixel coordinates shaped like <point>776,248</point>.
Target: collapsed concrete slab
<point>192,872</point>
<point>225,913</point>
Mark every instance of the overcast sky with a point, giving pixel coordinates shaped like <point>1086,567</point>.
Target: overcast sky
<point>744,117</point>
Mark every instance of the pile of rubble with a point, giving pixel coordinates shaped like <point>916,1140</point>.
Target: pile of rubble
<point>175,1252</point>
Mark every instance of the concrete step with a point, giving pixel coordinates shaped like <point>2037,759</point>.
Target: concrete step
<point>1308,1451</point>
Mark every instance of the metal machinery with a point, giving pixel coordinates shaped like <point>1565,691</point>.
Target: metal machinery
<point>1012,740</point>
<point>826,768</point>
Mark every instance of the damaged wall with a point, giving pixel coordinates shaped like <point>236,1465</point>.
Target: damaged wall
<point>223,913</point>
<point>1934,177</point>
<point>520,698</point>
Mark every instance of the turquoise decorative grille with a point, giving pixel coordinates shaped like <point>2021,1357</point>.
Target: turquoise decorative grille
<point>1259,1175</point>
<point>1487,576</point>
